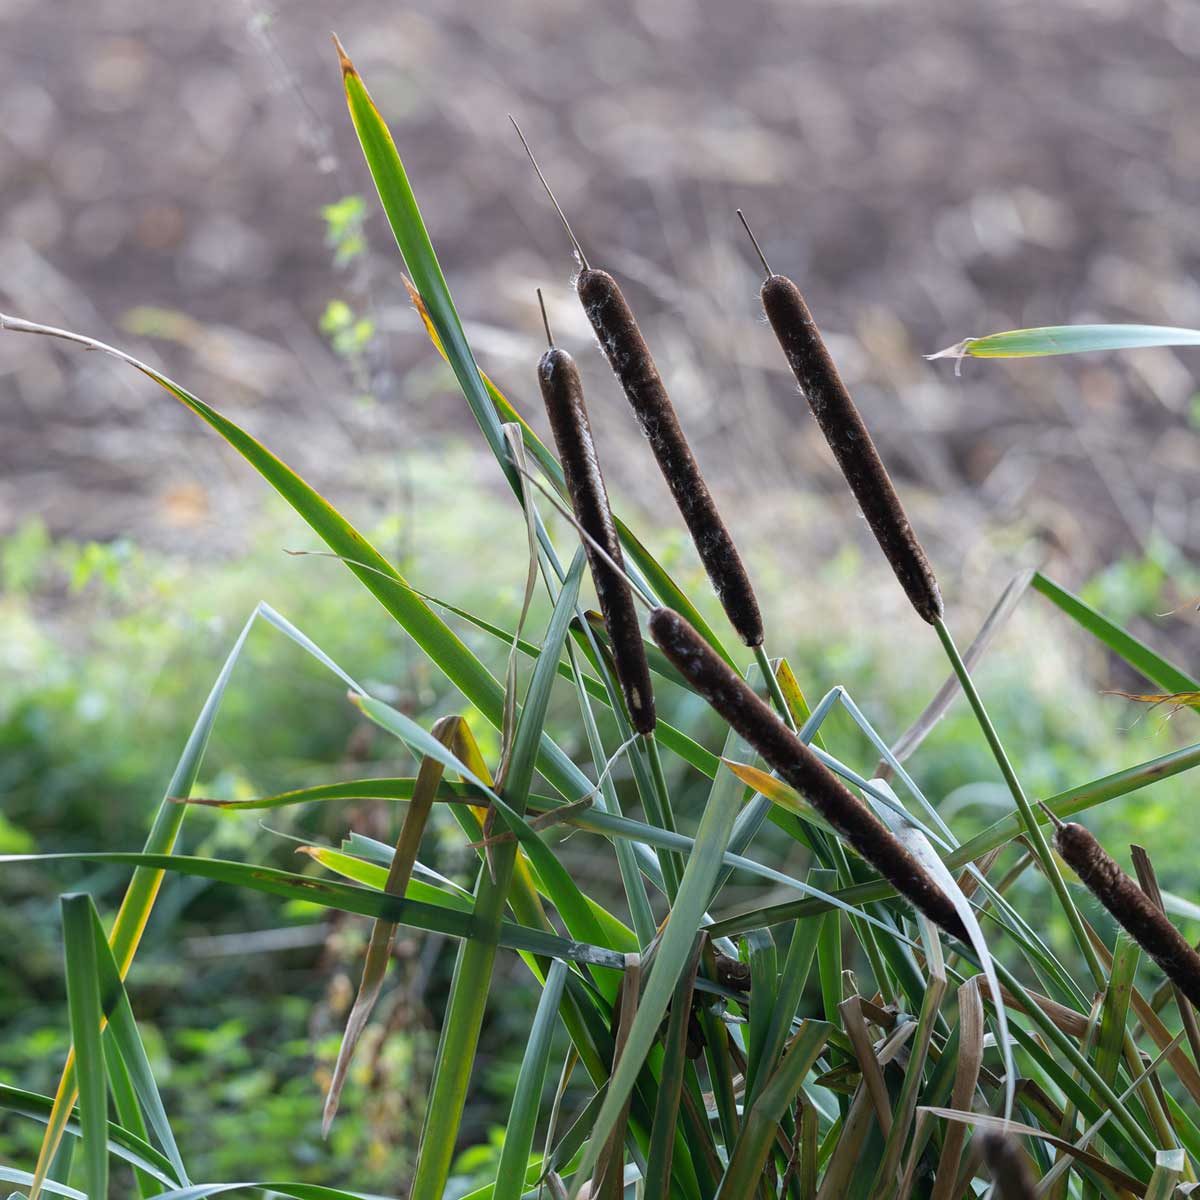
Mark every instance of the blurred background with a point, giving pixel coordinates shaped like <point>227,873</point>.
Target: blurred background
<point>183,181</point>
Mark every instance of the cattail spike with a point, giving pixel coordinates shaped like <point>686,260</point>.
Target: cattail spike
<point>545,319</point>
<point>850,442</point>
<point>1009,1168</point>
<point>751,717</point>
<point>1133,910</point>
<point>757,248</point>
<point>629,356</point>
<point>562,393</point>
<point>562,216</point>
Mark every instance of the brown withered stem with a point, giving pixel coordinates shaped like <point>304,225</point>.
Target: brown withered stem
<point>798,766</point>
<point>848,438</point>
<point>1006,1162</point>
<point>1132,909</point>
<point>562,392</point>
<point>631,361</point>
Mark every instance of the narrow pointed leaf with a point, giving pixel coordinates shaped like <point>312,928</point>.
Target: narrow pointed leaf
<point>527,1095</point>
<point>83,1001</point>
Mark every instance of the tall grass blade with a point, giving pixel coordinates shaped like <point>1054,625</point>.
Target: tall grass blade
<point>1068,339</point>
<point>404,216</point>
<point>376,574</point>
<point>670,1082</point>
<point>527,1095</point>
<point>966,1077</point>
<point>1136,653</point>
<point>367,902</point>
<point>123,1034</point>
<point>83,1001</point>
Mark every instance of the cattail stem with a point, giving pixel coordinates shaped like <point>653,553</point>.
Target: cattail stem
<point>1037,836</point>
<point>748,714</point>
<point>623,344</point>
<point>850,441</point>
<point>562,393</point>
<point>672,868</point>
<point>1133,910</point>
<point>776,692</point>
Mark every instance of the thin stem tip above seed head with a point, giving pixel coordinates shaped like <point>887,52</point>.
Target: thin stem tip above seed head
<point>757,248</point>
<point>562,216</point>
<point>545,319</point>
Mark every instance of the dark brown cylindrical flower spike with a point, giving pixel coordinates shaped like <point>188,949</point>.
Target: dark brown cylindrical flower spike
<point>1010,1171</point>
<point>850,442</point>
<point>630,359</point>
<point>562,393</point>
<point>1137,914</point>
<point>797,765</point>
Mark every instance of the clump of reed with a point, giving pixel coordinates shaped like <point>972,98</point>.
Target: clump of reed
<point>702,1061</point>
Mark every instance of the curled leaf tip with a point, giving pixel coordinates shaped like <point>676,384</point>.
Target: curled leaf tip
<point>958,351</point>
<point>343,58</point>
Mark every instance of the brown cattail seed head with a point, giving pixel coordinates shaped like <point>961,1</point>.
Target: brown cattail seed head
<point>1006,1162</point>
<point>850,442</point>
<point>798,766</point>
<point>562,393</point>
<point>629,356</point>
<point>1133,910</point>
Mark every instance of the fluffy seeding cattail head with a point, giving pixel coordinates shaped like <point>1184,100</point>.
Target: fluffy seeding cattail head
<point>1137,914</point>
<point>749,715</point>
<point>563,396</point>
<point>850,442</point>
<point>629,356</point>
<point>1006,1161</point>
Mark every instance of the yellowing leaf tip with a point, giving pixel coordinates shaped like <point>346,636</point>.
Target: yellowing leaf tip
<point>343,58</point>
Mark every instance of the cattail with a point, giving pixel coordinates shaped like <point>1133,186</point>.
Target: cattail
<point>1010,1171</point>
<point>629,356</point>
<point>562,393</point>
<point>848,438</point>
<point>623,344</point>
<point>750,716</point>
<point>1133,910</point>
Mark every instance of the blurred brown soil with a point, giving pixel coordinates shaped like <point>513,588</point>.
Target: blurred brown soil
<point>926,170</point>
